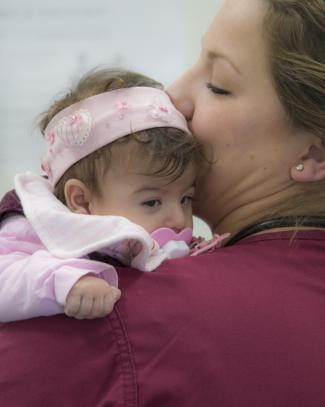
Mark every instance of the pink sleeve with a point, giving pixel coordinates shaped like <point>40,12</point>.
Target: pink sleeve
<point>32,281</point>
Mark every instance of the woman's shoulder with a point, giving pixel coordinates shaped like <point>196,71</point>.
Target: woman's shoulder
<point>181,334</point>
<point>193,316</point>
<point>10,205</point>
<point>81,358</point>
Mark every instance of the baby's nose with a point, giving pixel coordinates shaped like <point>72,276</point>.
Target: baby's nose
<point>177,220</point>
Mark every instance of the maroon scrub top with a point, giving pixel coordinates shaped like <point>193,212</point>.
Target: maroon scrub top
<point>241,327</point>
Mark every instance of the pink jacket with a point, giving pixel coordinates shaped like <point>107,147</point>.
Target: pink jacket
<point>32,281</point>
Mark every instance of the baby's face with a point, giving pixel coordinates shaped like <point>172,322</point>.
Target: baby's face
<point>150,201</point>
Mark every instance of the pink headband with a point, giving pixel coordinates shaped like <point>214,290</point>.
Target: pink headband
<point>84,127</point>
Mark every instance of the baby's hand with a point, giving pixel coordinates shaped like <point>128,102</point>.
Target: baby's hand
<point>91,297</point>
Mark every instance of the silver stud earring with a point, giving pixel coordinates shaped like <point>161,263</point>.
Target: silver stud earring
<point>300,167</point>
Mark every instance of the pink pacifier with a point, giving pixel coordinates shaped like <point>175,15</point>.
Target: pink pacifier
<point>165,235</point>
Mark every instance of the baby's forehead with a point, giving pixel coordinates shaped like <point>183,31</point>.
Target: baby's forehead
<point>166,186</point>
<point>154,170</point>
<point>162,162</point>
<point>147,174</point>
<point>130,157</point>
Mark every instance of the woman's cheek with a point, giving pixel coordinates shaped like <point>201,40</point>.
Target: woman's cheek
<point>203,127</point>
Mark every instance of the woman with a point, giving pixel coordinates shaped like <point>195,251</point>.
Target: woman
<point>243,326</point>
<point>257,95</point>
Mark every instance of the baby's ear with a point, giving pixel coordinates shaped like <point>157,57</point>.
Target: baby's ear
<point>77,196</point>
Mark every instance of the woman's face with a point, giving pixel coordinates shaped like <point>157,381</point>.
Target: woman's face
<point>231,105</point>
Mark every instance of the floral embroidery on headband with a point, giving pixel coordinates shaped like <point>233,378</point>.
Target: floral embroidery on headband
<point>159,111</point>
<point>123,107</point>
<point>50,137</point>
<point>74,129</point>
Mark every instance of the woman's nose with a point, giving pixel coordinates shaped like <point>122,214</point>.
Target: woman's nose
<point>180,94</point>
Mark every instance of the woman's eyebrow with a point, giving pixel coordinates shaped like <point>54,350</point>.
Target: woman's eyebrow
<point>214,56</point>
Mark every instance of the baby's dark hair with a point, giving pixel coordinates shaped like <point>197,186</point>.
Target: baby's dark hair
<point>161,151</point>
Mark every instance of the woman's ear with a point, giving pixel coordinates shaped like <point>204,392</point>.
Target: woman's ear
<point>311,166</point>
<point>77,196</point>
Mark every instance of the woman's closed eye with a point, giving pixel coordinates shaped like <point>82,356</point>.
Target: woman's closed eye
<point>218,91</point>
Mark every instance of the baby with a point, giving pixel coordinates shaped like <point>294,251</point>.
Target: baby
<point>118,183</point>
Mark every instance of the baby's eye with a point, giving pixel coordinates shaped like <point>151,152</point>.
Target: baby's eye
<point>187,200</point>
<point>152,203</point>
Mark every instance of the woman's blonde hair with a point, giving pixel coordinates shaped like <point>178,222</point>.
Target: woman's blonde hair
<point>295,35</point>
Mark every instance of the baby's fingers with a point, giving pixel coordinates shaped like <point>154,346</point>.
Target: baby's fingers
<point>110,299</point>
<point>89,306</point>
<point>72,306</point>
<point>104,304</point>
<point>98,308</point>
<point>85,309</point>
